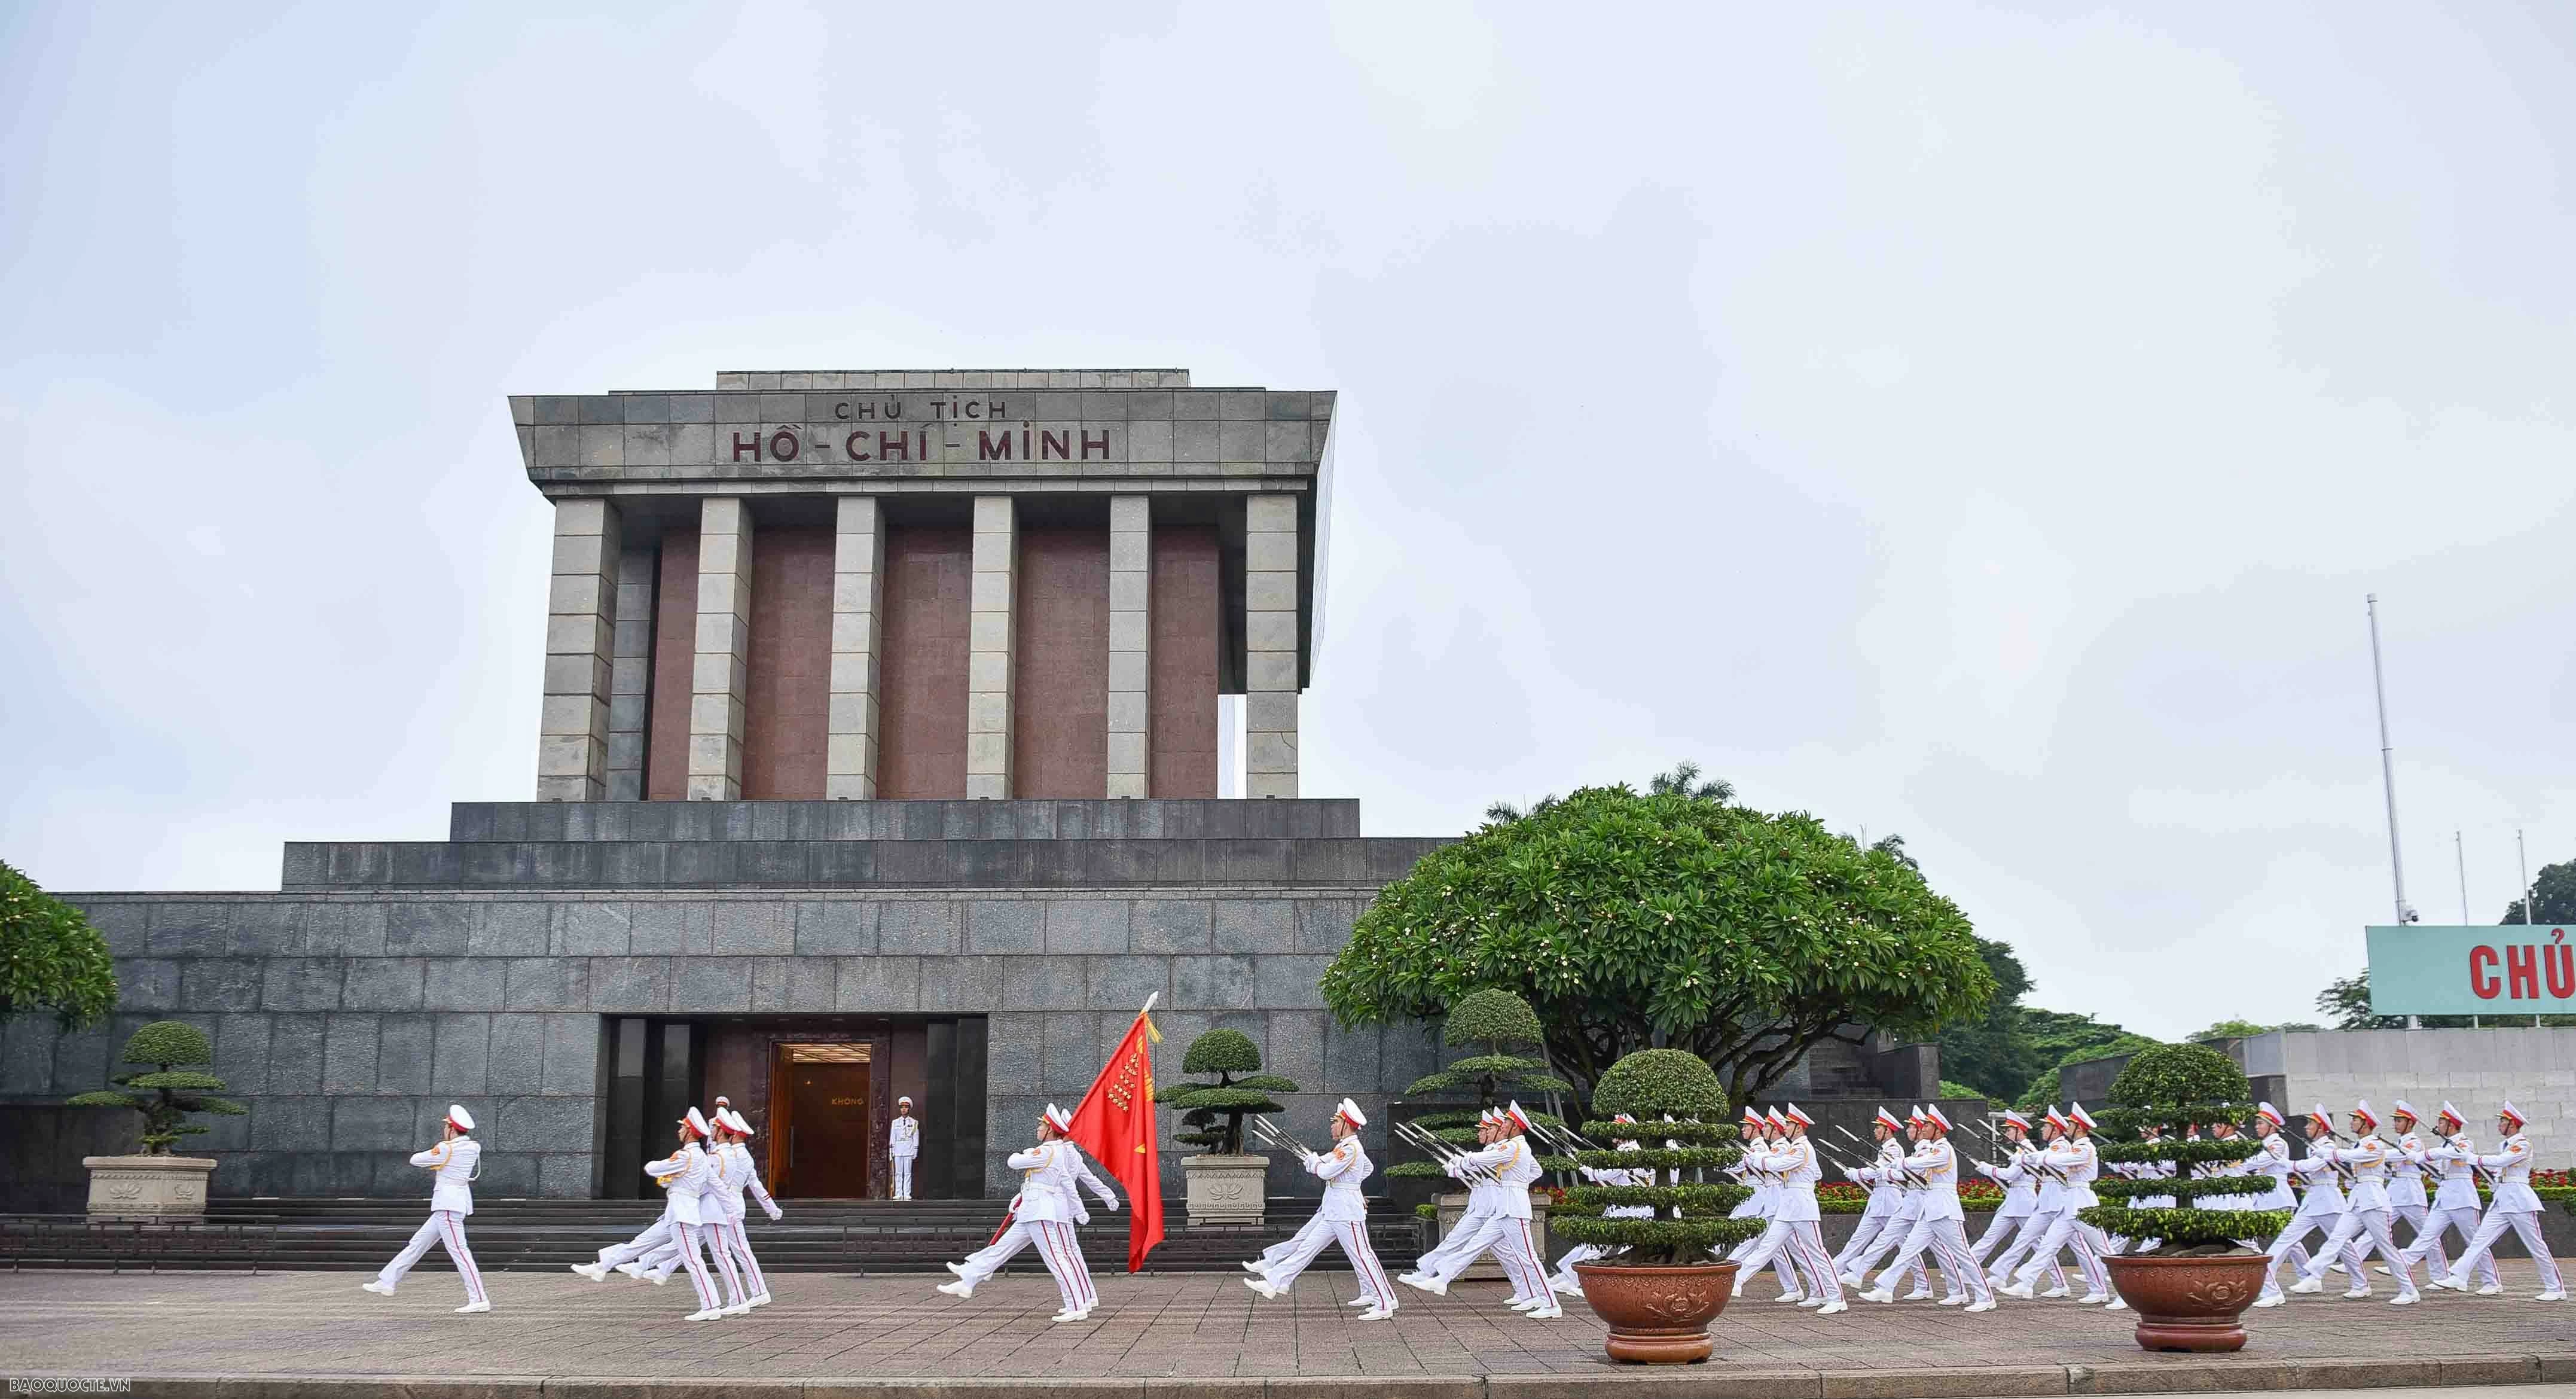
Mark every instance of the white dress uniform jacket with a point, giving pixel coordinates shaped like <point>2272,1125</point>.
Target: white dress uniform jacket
<point>1342,1169</point>
<point>2367,1164</point>
<point>1936,1164</point>
<point>2075,1160</point>
<point>1794,1162</point>
<point>904,1137</point>
<point>2325,1197</point>
<point>452,1188</point>
<point>1513,1166</point>
<point>2274,1161</point>
<point>2455,1184</point>
<point>2021,1188</point>
<point>2511,1167</point>
<point>684,1174</point>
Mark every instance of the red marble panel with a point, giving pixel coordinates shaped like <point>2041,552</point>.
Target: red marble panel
<point>1060,672</point>
<point>788,693</point>
<point>675,644</point>
<point>1183,669</point>
<point>921,676</point>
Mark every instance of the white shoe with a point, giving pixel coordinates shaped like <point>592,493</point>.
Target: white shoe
<point>1261,1287</point>
<point>1984,1306</point>
<point>2355,1294</point>
<point>1738,1289</point>
<point>1836,1307</point>
<point>2116,1304</point>
<point>2403,1299</point>
<point>1550,1312</point>
<point>1920,1294</point>
<point>757,1299</point>
<point>1437,1287</point>
<point>2052,1292</point>
<point>1369,1302</point>
<point>1063,1317</point>
<point>2454,1282</point>
<point>1376,1314</point>
<point>632,1270</point>
<point>737,1308</point>
<point>1878,1294</point>
<point>1562,1288</point>
<point>1256,1267</point>
<point>704,1314</point>
<point>657,1279</point>
<point>2492,1289</point>
<point>2019,1290</point>
<point>596,1272</point>
<point>2382,1270</point>
<point>1816,1301</point>
<point>1952,1300</point>
<point>1790,1297</point>
<point>2270,1301</point>
<point>474,1307</point>
<point>1522,1304</point>
<point>2555,1294</point>
<point>2306,1285</point>
<point>2093,1299</point>
<point>378,1288</point>
<point>1854,1281</point>
<point>959,1288</point>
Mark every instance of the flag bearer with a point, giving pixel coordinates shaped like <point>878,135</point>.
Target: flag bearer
<point>2514,1207</point>
<point>1044,1215</point>
<point>452,1165</point>
<point>1342,1218</point>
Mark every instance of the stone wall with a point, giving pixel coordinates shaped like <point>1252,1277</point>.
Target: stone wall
<point>2474,1069</point>
<point>348,1020</point>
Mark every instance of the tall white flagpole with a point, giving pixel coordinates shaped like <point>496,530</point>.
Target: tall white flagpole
<point>2387,773</point>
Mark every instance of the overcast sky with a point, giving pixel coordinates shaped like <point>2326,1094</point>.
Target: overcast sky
<point>1976,424</point>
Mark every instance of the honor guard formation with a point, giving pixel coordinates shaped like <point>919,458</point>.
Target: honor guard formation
<point>2352,1188</point>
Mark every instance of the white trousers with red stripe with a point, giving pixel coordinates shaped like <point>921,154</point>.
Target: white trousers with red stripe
<point>1057,1248</point>
<point>446,1228</point>
<point>731,1237</point>
<point>2019,1233</point>
<point>2064,1230</point>
<point>1308,1243</point>
<point>1948,1242</point>
<point>2525,1225</point>
<point>1512,1247</point>
<point>643,1245</point>
<point>1799,1244</point>
<point>2428,1241</point>
<point>682,1249</point>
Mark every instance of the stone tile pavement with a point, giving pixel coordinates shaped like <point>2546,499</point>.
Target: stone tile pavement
<point>1200,1334</point>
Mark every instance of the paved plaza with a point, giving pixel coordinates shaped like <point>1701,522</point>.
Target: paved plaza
<point>1198,1334</point>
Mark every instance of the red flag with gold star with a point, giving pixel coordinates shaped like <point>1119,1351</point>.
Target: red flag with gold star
<point>1116,1125</point>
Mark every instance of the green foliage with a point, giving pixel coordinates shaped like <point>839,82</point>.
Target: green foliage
<point>1491,1016</point>
<point>2183,1229</point>
<point>1993,1053</point>
<point>167,1092</point>
<point>1495,1019</point>
<point>1690,1217</point>
<point>1652,1082</point>
<point>1670,920</point>
<point>2165,1075</point>
<point>2044,1089</point>
<point>1212,1113</point>
<point>2553,897</point>
<point>1953,1089</point>
<point>2347,1002</point>
<point>2228,1030</point>
<point>50,957</point>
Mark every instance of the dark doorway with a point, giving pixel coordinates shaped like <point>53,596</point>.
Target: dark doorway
<point>820,1142</point>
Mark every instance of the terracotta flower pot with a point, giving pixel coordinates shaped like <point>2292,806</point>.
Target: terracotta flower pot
<point>2189,1303</point>
<point>1657,1316</point>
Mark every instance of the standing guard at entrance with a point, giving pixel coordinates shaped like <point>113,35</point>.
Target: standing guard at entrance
<point>903,1147</point>
<point>452,1165</point>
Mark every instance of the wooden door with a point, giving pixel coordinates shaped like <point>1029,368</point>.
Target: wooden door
<point>822,1130</point>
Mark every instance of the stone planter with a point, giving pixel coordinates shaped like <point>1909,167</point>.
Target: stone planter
<point>1485,1269</point>
<point>1226,1189</point>
<point>1657,1316</point>
<point>2189,1303</point>
<point>169,1188</point>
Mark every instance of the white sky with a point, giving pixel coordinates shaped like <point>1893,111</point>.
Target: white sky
<point>1976,424</point>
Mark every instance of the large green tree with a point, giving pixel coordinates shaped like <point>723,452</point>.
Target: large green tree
<point>2553,897</point>
<point>1667,919</point>
<point>51,959</point>
<point>1993,1053</point>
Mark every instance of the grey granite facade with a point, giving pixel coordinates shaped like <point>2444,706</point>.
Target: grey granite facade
<point>350,1009</point>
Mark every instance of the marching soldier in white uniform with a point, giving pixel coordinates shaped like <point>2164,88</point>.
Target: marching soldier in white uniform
<point>2020,1184</point>
<point>2321,1208</point>
<point>1768,1133</point>
<point>740,1175</point>
<point>1044,1214</point>
<point>1754,1130</point>
<point>1509,1160</point>
<point>2514,1207</point>
<point>1794,1230</point>
<point>903,1146</point>
<point>1884,1194</point>
<point>1565,1280</point>
<point>2049,1190</point>
<point>1433,1270</point>
<point>1900,1221</point>
<point>2452,1159</point>
<point>1939,1222</point>
<point>452,1165</point>
<point>1342,1218</point>
<point>684,1175</point>
<point>2366,1213</point>
<point>2406,1193</point>
<point>2077,1164</point>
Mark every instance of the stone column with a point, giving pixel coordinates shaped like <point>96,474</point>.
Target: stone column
<point>1131,590</point>
<point>988,648</point>
<point>723,661</point>
<point>581,624</point>
<point>630,672</point>
<point>1270,646</point>
<point>858,567</point>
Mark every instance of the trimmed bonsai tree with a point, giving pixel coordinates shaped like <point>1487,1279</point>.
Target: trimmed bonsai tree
<point>2177,1087</point>
<point>1491,1021</point>
<point>169,1089</point>
<point>1212,1113</point>
<point>1690,1218</point>
<point>50,957</point>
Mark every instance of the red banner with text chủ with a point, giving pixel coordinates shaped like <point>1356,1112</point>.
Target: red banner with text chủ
<point>1116,1125</point>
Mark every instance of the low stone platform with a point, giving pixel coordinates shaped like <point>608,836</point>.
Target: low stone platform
<point>316,1336</point>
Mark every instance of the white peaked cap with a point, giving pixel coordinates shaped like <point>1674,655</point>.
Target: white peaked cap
<point>697,1122</point>
<point>2452,1113</point>
<point>2081,1117</point>
<point>1799,1117</point>
<point>1623,1117</point>
<point>906,1099</point>
<point>2321,1112</point>
<point>2509,1110</point>
<point>457,1114</point>
<point>1933,1112</point>
<point>2016,1119</point>
<point>2268,1113</point>
<point>1486,1116</point>
<point>2406,1109</point>
<point>737,1122</point>
<point>2362,1110</point>
<point>1516,1117</point>
<point>1350,1112</point>
<point>1063,1120</point>
<point>723,1102</point>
